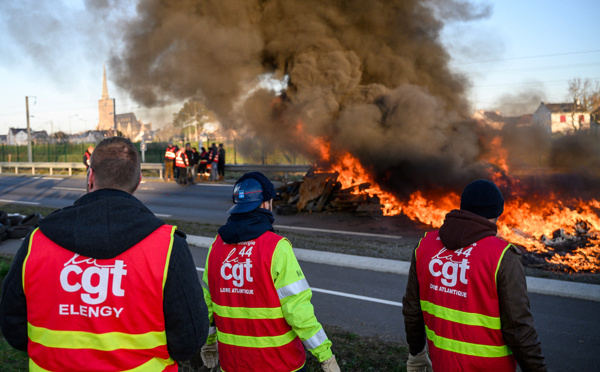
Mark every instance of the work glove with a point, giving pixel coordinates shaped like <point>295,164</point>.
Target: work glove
<point>330,365</point>
<point>419,362</point>
<point>210,355</point>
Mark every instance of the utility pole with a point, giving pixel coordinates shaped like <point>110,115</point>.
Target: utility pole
<point>29,154</point>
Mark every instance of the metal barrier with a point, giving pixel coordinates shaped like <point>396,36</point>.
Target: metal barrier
<point>159,167</point>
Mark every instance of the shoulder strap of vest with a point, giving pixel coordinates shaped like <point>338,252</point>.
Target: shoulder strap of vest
<point>428,236</point>
<point>31,237</point>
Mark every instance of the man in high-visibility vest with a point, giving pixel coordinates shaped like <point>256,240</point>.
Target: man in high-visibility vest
<point>258,298</point>
<point>182,162</point>
<point>466,297</point>
<point>170,154</point>
<point>104,285</point>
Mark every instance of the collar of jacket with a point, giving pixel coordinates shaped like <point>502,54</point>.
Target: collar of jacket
<point>247,226</point>
<point>463,228</point>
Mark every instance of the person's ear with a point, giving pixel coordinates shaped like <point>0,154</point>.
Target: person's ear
<point>90,179</point>
<point>138,184</point>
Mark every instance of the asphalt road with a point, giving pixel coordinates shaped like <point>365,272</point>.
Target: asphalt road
<point>203,202</point>
<point>362,301</point>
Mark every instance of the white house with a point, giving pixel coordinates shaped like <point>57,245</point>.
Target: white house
<point>561,117</point>
<point>489,119</point>
<point>17,136</point>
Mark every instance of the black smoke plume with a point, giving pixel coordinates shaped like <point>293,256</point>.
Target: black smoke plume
<point>371,77</point>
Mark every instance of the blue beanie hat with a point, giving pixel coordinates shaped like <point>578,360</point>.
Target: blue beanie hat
<point>250,191</point>
<point>483,198</point>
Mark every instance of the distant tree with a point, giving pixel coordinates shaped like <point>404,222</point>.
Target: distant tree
<point>60,137</point>
<point>585,98</point>
<point>190,116</point>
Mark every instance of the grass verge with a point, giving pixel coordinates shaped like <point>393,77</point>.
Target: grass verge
<point>352,352</point>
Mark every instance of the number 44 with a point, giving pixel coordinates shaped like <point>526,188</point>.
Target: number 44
<point>248,252</point>
<point>466,252</point>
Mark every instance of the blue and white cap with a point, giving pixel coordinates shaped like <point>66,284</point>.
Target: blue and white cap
<point>247,196</point>
<point>250,191</point>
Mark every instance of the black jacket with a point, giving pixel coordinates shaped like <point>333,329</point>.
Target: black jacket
<point>104,224</point>
<point>461,229</point>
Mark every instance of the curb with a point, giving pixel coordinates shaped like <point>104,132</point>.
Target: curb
<point>552,287</point>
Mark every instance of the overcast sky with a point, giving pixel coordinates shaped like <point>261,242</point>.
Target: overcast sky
<point>53,52</point>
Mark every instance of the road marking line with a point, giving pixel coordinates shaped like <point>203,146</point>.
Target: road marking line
<point>51,178</point>
<point>336,231</point>
<point>162,215</point>
<point>18,202</point>
<point>344,294</point>
<point>213,184</point>
<point>69,188</point>
<point>146,188</point>
<point>358,297</point>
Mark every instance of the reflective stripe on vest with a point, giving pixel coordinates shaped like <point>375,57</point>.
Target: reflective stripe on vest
<point>152,365</point>
<point>251,329</point>
<point>467,348</point>
<point>181,159</point>
<point>460,304</point>
<point>89,314</point>
<point>170,153</point>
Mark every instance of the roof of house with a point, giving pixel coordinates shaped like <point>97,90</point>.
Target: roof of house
<point>129,116</point>
<point>14,131</point>
<point>562,107</point>
<point>494,115</point>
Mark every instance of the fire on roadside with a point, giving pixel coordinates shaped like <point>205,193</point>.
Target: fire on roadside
<point>540,225</point>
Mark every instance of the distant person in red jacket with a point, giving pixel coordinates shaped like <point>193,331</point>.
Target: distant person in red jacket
<point>87,156</point>
<point>203,162</point>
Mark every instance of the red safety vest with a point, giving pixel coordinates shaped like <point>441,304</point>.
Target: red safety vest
<point>88,314</point>
<point>181,159</point>
<point>460,305</point>
<point>87,158</point>
<point>170,153</point>
<point>252,332</point>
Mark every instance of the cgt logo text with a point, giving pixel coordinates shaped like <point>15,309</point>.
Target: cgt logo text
<point>232,268</point>
<point>93,282</point>
<point>452,271</point>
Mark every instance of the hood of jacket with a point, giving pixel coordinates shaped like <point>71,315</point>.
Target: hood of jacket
<point>101,224</point>
<point>462,228</point>
<point>246,226</point>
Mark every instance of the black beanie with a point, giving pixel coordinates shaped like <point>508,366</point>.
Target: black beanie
<point>483,198</point>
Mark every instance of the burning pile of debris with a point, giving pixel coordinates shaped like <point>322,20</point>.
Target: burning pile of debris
<point>323,192</point>
<point>568,252</point>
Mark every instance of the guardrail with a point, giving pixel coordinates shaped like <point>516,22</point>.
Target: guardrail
<point>158,167</point>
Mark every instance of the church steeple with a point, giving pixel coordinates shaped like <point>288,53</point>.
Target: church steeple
<point>106,108</point>
<point>104,85</point>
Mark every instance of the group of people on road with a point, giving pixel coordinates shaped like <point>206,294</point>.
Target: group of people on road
<point>104,285</point>
<point>188,165</point>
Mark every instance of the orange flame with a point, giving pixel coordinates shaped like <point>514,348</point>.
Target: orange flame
<point>524,223</point>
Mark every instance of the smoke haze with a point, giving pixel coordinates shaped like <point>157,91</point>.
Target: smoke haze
<point>370,77</point>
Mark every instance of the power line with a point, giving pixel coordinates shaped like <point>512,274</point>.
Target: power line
<point>527,83</point>
<point>528,57</point>
<point>542,68</point>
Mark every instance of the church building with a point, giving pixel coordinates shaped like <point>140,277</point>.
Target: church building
<point>126,125</point>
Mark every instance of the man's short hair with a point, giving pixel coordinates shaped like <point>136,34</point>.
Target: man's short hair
<point>116,165</point>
